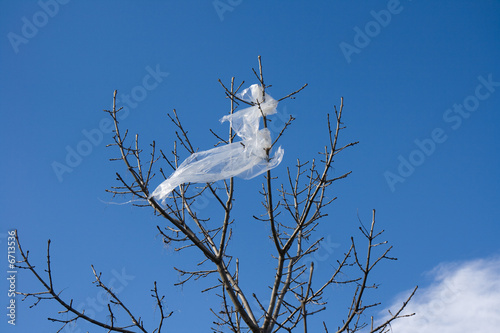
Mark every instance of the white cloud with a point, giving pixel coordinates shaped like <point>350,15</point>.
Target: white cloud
<point>464,297</point>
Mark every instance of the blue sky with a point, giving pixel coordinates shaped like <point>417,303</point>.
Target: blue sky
<point>421,86</point>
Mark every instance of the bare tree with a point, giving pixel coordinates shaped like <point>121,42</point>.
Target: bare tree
<point>293,210</point>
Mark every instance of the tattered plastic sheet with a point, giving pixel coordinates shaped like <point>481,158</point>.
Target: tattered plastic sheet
<point>245,159</point>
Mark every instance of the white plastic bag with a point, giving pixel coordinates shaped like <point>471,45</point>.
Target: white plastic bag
<point>245,159</point>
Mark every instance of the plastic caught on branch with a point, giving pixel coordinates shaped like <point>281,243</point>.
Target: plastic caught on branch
<point>245,159</point>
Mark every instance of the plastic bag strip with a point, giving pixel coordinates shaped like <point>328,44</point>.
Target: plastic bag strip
<point>245,159</point>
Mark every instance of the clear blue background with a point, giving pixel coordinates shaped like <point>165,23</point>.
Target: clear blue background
<point>396,89</point>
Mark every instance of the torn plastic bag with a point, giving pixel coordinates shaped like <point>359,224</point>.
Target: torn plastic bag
<point>245,159</point>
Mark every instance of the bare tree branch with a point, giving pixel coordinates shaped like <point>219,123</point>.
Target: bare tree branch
<point>294,296</point>
<point>48,286</point>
